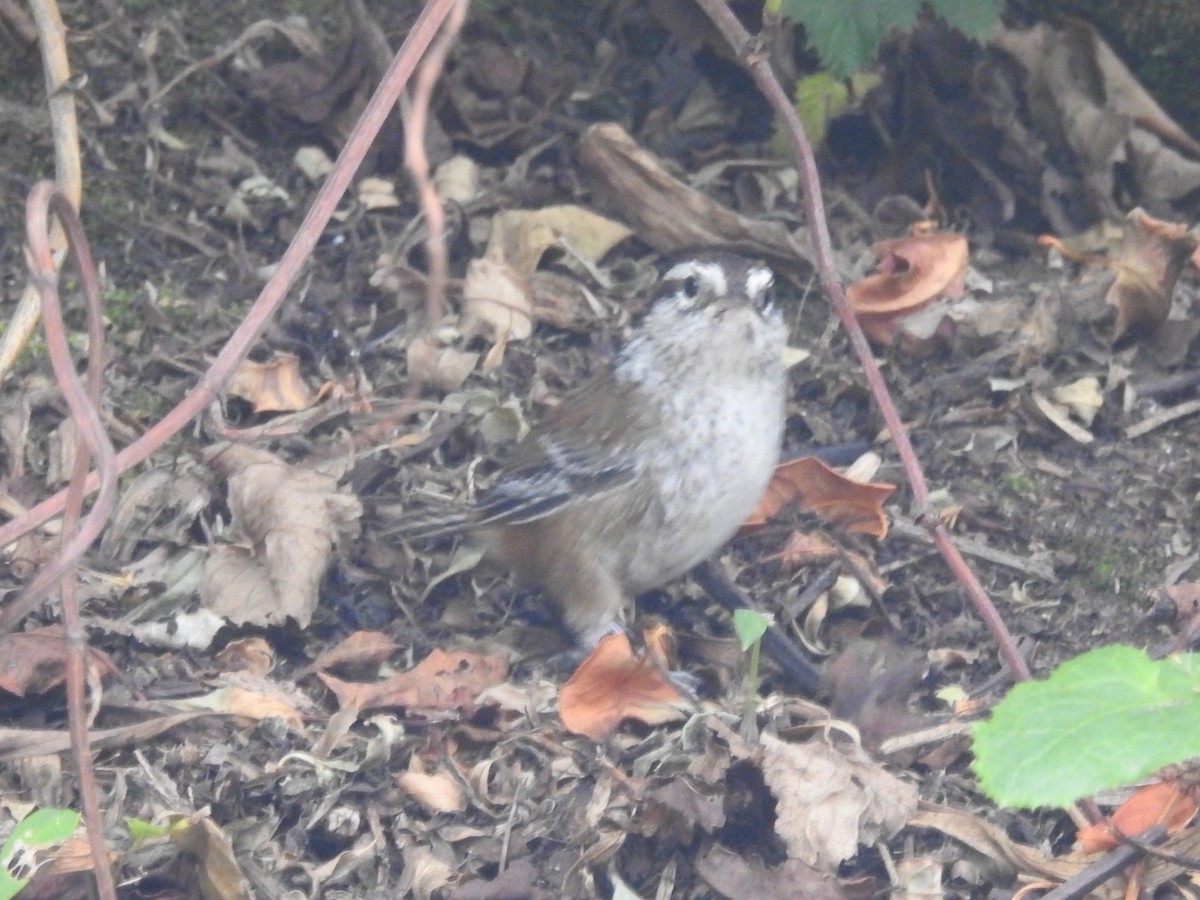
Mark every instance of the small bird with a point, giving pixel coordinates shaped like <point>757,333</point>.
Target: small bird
<point>650,467</point>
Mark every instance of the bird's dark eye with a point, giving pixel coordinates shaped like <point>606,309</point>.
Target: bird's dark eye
<point>691,287</point>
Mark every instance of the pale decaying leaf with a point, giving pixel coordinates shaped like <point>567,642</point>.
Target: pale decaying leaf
<point>830,799</point>
<point>498,295</point>
<point>457,179</point>
<point>274,386</point>
<point>521,237</point>
<point>1059,416</point>
<point>218,873</point>
<point>292,518</point>
<point>444,367</point>
<point>437,792</point>
<point>496,304</point>
<point>1083,398</point>
<point>377,193</point>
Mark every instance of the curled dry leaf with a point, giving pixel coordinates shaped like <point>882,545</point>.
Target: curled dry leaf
<point>275,386</point>
<point>912,273</point>
<point>442,680</point>
<point>219,874</point>
<point>1059,416</point>
<point>668,214</point>
<point>1152,255</point>
<point>612,685</point>
<point>292,518</point>
<point>1163,803</point>
<point>253,655</point>
<point>446,368</point>
<point>521,237</point>
<point>856,507</point>
<point>830,799</point>
<point>456,180</point>
<point>1083,398</point>
<point>437,792</point>
<point>496,305</point>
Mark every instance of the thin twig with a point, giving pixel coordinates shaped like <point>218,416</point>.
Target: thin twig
<point>68,168</point>
<point>757,65</point>
<point>417,160</point>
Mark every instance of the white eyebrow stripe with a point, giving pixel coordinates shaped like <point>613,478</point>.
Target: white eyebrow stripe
<point>758,279</point>
<point>711,273</point>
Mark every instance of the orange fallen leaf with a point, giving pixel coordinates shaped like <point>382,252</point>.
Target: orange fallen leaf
<point>612,685</point>
<point>33,662</point>
<point>856,507</point>
<point>275,386</point>
<point>804,549</point>
<point>1158,804</point>
<point>912,272</point>
<point>442,680</point>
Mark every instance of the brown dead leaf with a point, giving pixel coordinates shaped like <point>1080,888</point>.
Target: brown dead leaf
<point>856,507</point>
<point>1152,255</point>
<point>830,799</point>
<point>563,302</point>
<point>501,96</point>
<point>292,519</point>
<point>219,876</point>
<point>443,680</point>
<point>275,386</point>
<point>253,655</point>
<point>33,662</point>
<point>1157,804</point>
<point>612,685</point>
<point>912,272</point>
<point>669,215</point>
<point>805,549</point>
<point>363,648</point>
<point>1078,92</point>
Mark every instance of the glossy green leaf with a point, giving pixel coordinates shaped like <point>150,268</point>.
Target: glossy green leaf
<point>1103,719</point>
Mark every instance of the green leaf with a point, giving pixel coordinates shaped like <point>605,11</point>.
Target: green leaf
<point>1103,719</point>
<point>750,626</point>
<point>819,97</point>
<point>37,830</point>
<point>141,830</point>
<point>846,34</point>
<point>975,18</point>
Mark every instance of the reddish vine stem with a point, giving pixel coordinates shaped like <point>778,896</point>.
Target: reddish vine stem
<point>756,63</point>
<point>417,160</point>
<point>273,293</point>
<point>77,535</point>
